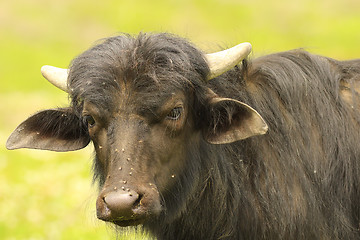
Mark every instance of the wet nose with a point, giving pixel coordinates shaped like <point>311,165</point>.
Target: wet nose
<point>117,205</point>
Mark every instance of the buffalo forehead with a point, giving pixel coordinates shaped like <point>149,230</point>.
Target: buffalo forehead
<point>144,69</point>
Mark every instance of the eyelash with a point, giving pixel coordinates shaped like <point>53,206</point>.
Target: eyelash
<point>89,120</point>
<point>175,114</point>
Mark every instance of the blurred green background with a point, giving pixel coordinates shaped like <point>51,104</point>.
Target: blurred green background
<point>46,195</point>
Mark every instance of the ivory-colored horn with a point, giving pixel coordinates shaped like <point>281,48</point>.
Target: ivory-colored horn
<point>56,76</point>
<point>218,62</point>
<point>223,61</point>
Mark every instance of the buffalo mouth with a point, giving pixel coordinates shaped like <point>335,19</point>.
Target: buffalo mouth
<point>129,222</point>
<point>124,221</point>
<point>139,216</point>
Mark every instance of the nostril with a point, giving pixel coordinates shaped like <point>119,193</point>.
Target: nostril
<point>137,203</point>
<point>104,201</point>
<point>102,210</point>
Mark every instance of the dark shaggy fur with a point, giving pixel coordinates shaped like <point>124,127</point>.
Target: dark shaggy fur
<point>299,181</point>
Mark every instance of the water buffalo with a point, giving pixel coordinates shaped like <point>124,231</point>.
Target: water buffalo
<point>211,146</point>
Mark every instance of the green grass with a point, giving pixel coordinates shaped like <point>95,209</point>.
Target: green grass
<point>45,195</point>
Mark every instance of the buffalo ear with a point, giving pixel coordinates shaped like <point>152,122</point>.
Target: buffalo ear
<point>54,129</point>
<point>232,120</point>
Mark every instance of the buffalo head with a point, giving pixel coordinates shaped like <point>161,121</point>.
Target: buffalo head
<point>146,106</point>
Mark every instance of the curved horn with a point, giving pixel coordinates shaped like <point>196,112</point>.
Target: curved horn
<point>223,61</point>
<point>56,76</point>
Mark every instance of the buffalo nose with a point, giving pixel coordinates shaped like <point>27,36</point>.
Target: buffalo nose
<point>117,205</point>
<point>119,202</point>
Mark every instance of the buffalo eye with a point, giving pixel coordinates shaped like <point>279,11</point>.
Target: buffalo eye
<point>175,114</point>
<point>89,120</point>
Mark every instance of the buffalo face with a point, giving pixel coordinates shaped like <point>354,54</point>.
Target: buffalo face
<point>139,155</point>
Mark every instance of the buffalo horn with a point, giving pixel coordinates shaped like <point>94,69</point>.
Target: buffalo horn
<point>57,76</point>
<point>218,62</point>
<point>222,61</point>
